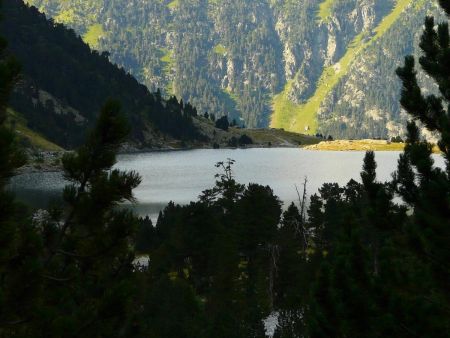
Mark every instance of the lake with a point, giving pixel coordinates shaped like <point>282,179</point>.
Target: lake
<point>180,176</point>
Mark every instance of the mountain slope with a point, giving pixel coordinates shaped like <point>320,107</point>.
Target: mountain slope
<point>365,101</point>
<point>64,84</point>
<point>304,116</point>
<point>271,61</point>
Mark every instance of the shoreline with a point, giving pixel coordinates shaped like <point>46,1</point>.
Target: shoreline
<point>50,161</point>
<point>170,149</point>
<point>361,145</point>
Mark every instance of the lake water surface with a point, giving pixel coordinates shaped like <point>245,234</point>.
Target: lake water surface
<point>180,176</point>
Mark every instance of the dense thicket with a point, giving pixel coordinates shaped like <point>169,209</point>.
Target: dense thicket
<point>64,84</point>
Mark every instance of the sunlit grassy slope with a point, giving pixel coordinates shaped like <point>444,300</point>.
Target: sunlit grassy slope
<point>297,117</point>
<point>325,10</point>
<point>220,49</point>
<point>357,145</point>
<point>173,4</point>
<point>65,17</point>
<point>168,61</point>
<point>93,35</point>
<point>35,139</point>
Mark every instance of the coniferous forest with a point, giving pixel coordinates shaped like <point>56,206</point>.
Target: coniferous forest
<point>368,259</point>
<point>63,84</point>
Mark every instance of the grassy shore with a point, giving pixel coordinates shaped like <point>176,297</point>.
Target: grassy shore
<point>265,137</point>
<point>279,137</point>
<point>359,145</point>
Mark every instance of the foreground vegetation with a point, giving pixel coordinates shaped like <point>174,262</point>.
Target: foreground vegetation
<point>353,264</point>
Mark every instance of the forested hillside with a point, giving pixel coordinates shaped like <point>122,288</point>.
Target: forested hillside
<point>278,62</point>
<point>63,85</point>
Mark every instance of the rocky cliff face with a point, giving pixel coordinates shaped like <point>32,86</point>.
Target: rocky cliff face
<point>316,65</point>
<point>316,39</point>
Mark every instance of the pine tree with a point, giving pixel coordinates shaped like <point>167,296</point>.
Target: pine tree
<point>342,303</point>
<point>80,260</point>
<point>258,214</point>
<point>19,243</point>
<point>424,187</point>
<point>222,123</point>
<point>10,156</point>
<point>146,236</point>
<point>293,275</point>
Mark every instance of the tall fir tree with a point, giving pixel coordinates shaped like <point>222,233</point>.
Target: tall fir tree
<point>88,262</point>
<point>19,244</point>
<point>423,186</point>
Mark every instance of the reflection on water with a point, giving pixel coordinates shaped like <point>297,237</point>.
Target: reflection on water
<point>180,176</point>
<point>38,189</point>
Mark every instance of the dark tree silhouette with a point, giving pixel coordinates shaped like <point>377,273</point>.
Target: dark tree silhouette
<point>222,123</point>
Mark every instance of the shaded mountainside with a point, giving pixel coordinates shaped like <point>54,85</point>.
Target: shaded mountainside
<point>64,84</point>
<point>292,64</point>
